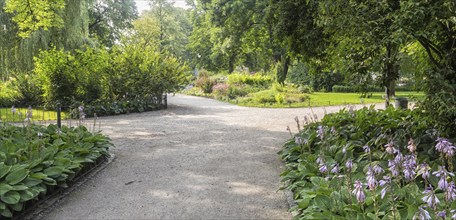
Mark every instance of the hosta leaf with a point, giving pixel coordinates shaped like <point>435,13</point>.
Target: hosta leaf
<point>4,170</point>
<point>30,181</point>
<point>54,171</point>
<point>2,206</point>
<point>17,207</point>
<point>11,197</point>
<point>6,213</point>
<point>4,188</point>
<point>49,181</point>
<point>20,187</point>
<point>27,195</point>
<point>16,176</point>
<point>38,175</point>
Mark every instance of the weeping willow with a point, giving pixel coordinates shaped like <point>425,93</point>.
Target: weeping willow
<point>16,53</point>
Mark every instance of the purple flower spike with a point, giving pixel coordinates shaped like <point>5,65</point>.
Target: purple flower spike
<point>370,177</point>
<point>335,168</point>
<point>445,146</point>
<point>359,192</point>
<point>320,132</point>
<point>298,140</point>
<point>443,174</point>
<point>385,183</point>
<point>323,168</point>
<point>378,169</point>
<point>409,167</point>
<point>422,214</point>
<point>442,214</point>
<point>450,192</point>
<point>393,166</point>
<point>349,164</point>
<point>366,149</point>
<point>430,198</point>
<point>424,171</point>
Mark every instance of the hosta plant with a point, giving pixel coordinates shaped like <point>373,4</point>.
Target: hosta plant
<point>370,164</point>
<point>36,159</point>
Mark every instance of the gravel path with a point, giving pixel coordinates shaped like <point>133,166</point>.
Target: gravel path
<point>200,159</point>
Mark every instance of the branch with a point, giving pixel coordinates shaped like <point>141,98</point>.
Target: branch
<point>429,52</point>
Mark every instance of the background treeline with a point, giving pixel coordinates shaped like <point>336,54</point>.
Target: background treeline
<point>89,51</point>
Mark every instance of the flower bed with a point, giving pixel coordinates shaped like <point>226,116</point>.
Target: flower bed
<point>36,161</point>
<point>370,164</point>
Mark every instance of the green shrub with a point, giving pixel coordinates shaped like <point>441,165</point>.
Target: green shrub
<point>279,98</point>
<point>37,160</point>
<point>237,91</point>
<point>263,97</point>
<point>249,79</point>
<point>8,95</point>
<point>205,82</point>
<point>305,89</point>
<point>351,89</point>
<point>296,98</point>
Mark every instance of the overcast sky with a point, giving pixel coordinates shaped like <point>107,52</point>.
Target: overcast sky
<point>144,5</point>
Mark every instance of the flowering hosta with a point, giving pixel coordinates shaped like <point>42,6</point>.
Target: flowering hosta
<point>370,164</point>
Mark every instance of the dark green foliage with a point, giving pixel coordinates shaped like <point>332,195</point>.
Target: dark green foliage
<point>36,160</point>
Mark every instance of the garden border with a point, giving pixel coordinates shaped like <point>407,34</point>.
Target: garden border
<point>49,203</point>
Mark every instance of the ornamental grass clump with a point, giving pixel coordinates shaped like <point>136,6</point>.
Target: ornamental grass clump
<point>370,164</point>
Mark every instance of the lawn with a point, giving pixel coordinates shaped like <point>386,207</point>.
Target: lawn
<point>6,115</point>
<point>329,99</point>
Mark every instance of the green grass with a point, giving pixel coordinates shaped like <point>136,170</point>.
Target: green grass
<point>6,115</point>
<point>330,99</point>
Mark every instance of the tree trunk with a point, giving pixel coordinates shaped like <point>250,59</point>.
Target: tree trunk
<point>282,71</point>
<point>391,73</point>
<point>231,63</point>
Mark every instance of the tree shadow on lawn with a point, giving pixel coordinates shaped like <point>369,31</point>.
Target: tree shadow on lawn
<point>170,165</point>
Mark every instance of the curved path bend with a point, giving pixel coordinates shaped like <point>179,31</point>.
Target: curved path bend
<point>199,159</point>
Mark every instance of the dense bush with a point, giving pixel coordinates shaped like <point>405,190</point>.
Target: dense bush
<point>205,82</point>
<point>92,75</point>
<point>65,77</point>
<point>37,160</point>
<point>370,164</point>
<point>257,80</point>
<point>347,89</point>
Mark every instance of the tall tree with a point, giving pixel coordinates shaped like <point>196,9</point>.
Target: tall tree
<point>296,31</point>
<point>109,19</point>
<point>371,39</point>
<point>31,15</point>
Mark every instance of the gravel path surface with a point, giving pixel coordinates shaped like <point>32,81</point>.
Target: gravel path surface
<point>199,159</point>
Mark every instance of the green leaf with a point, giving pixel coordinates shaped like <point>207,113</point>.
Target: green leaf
<point>17,207</point>
<point>4,188</point>
<point>4,169</point>
<point>54,171</point>
<point>17,176</point>
<point>7,213</point>
<point>27,195</point>
<point>30,181</point>
<point>20,187</point>
<point>11,197</point>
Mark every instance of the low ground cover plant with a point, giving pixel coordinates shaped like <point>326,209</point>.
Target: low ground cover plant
<point>370,164</point>
<point>37,160</point>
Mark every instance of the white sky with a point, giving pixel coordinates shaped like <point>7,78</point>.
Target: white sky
<point>144,4</point>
